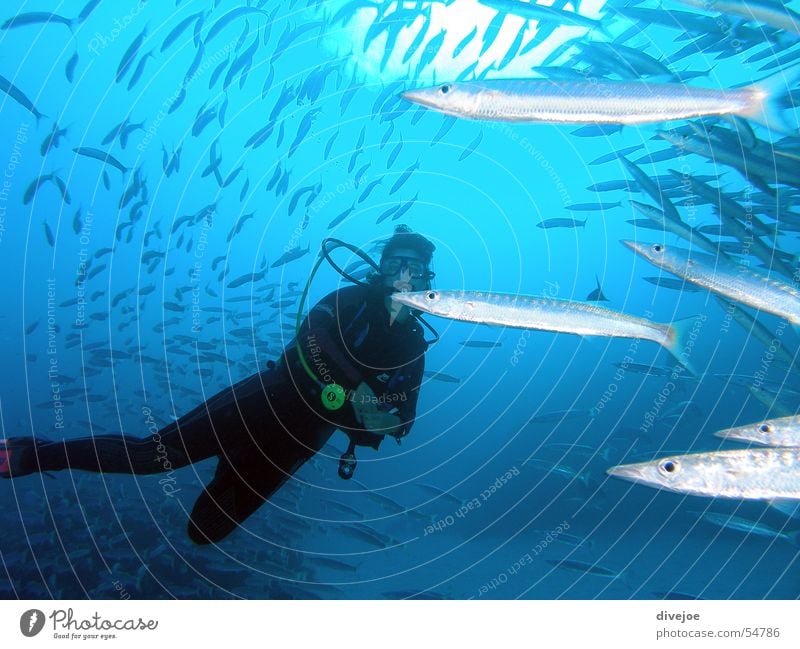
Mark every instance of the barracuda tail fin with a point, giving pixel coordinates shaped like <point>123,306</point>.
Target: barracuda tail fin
<point>681,341</point>
<point>767,110</point>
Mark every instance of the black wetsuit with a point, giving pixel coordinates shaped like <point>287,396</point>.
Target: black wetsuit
<point>268,425</point>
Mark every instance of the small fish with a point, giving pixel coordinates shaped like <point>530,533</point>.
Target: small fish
<point>745,525</point>
<point>334,564</point>
<point>674,595</point>
<point>232,15</point>
<point>246,279</point>
<point>405,207</point>
<point>387,213</point>
<point>341,217</point>
<point>52,139</point>
<point>15,93</point>
<point>752,473</point>
<point>595,130</point>
<point>592,207</point>
<point>471,148</point>
<point>465,41</point>
<point>404,177</point>
<point>586,568</point>
<point>70,69</point>
<point>330,144</point>
<point>36,18</point>
<point>412,594</point>
<point>559,415</point>
<point>441,376</point>
<point>291,255</point>
<point>89,152</point>
<point>597,294</point>
<point>48,233</point>
<point>608,157</point>
<point>368,190</point>
<point>784,431</point>
<point>449,123</point>
<point>649,370</point>
<point>36,183</point>
<point>549,224</point>
<point>139,71</point>
<point>179,29</point>
<point>88,9</point>
<point>77,225</point>
<point>130,54</point>
<point>395,152</point>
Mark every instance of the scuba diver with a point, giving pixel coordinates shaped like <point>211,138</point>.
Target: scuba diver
<point>355,364</point>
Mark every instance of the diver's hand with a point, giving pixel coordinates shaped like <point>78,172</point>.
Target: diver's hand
<point>382,423</point>
<point>364,402</point>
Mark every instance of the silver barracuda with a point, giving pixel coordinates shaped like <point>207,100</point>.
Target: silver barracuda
<point>603,102</point>
<point>736,282</point>
<point>745,525</point>
<point>783,431</point>
<point>548,314</point>
<point>751,473</point>
<point>771,13</point>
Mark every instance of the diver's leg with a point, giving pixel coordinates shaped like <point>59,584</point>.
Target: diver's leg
<point>200,434</point>
<point>230,498</point>
<point>240,489</point>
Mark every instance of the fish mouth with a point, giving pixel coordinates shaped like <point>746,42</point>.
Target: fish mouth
<point>632,472</point>
<point>636,247</point>
<point>421,97</point>
<point>735,436</point>
<point>403,298</point>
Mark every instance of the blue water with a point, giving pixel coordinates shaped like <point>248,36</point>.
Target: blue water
<point>510,497</point>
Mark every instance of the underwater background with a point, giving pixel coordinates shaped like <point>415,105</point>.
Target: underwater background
<point>140,282</point>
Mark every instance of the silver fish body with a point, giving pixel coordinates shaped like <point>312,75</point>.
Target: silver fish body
<point>581,102</point>
<point>546,314</point>
<point>745,525</point>
<point>774,14</point>
<point>737,282</point>
<point>783,431</point>
<point>752,473</point>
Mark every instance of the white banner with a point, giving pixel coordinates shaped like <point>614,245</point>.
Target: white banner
<point>401,624</point>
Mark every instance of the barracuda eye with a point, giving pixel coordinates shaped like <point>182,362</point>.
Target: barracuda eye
<point>658,248</point>
<point>668,467</point>
<point>445,89</point>
<point>765,428</point>
<point>430,296</point>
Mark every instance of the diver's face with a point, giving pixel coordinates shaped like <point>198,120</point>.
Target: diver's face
<point>405,270</point>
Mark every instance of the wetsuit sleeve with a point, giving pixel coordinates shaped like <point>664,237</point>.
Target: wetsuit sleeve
<point>321,342</point>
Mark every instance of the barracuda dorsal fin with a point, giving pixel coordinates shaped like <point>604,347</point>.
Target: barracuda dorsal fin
<point>767,110</point>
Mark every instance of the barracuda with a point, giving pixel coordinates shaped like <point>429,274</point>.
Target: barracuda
<point>784,431</point>
<point>604,102</point>
<point>752,473</point>
<point>548,314</point>
<point>736,282</point>
<point>773,14</point>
